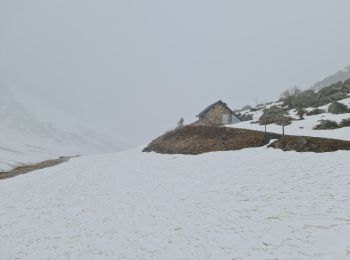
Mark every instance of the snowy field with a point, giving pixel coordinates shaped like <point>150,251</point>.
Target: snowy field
<point>251,204</point>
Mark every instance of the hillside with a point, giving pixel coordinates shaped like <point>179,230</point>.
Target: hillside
<point>312,121</point>
<point>313,115</point>
<point>195,140</point>
<point>32,131</point>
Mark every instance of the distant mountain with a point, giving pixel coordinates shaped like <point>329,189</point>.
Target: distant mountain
<point>341,75</point>
<point>31,130</point>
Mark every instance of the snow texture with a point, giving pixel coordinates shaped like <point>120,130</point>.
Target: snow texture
<point>255,203</point>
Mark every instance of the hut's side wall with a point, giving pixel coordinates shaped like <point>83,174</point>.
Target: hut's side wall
<point>214,116</point>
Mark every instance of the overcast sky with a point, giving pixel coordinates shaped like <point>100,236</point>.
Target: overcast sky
<point>134,67</point>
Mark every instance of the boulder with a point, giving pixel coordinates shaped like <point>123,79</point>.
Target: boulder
<point>326,125</point>
<point>345,122</point>
<point>337,108</point>
<point>245,117</point>
<point>316,111</point>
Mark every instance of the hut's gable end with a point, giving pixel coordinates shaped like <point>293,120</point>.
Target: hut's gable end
<point>215,116</point>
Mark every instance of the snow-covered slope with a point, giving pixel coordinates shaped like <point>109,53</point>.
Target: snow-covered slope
<point>32,130</point>
<point>302,127</point>
<point>255,203</point>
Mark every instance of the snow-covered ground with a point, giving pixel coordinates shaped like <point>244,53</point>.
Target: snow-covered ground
<point>255,203</point>
<point>303,127</point>
<point>32,130</point>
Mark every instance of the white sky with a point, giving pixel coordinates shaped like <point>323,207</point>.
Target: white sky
<point>133,68</point>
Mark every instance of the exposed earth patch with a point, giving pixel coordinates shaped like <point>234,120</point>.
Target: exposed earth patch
<point>203,139</point>
<point>29,168</point>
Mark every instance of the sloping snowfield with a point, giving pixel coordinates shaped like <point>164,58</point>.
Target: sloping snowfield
<point>251,204</point>
<point>303,127</point>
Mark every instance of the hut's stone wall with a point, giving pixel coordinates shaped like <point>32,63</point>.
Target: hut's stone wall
<point>214,116</point>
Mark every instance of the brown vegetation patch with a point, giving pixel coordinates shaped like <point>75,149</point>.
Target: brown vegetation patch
<point>29,168</point>
<point>202,139</point>
<point>310,144</point>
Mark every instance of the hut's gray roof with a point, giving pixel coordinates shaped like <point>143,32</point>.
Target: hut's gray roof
<point>213,105</point>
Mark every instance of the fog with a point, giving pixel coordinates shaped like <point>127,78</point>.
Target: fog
<point>133,68</point>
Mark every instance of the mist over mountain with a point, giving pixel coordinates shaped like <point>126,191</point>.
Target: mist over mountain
<point>341,75</point>
<point>32,130</point>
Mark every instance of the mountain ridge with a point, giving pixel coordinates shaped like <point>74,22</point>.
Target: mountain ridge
<point>340,75</point>
<point>33,131</point>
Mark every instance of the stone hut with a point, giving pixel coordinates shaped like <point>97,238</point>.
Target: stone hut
<point>217,114</point>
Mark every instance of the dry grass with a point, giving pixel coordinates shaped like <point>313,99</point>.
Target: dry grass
<point>29,168</point>
<point>310,144</point>
<point>202,139</point>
